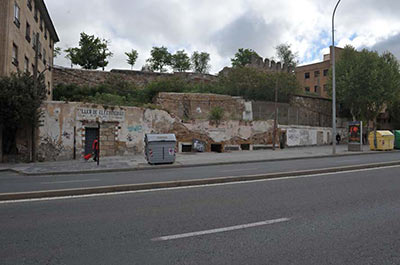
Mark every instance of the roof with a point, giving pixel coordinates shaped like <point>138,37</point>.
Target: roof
<point>47,20</point>
<point>170,137</point>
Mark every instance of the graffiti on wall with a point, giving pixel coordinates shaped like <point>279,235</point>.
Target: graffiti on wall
<point>136,128</point>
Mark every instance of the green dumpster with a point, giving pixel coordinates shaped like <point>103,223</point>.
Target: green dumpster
<point>397,139</point>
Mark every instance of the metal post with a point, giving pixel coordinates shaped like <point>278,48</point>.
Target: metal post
<point>98,145</point>
<point>276,114</point>
<point>35,84</point>
<point>333,82</point>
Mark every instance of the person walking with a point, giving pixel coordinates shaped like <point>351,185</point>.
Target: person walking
<point>338,138</point>
<point>95,148</point>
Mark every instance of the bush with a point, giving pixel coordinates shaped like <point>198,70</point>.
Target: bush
<point>216,114</point>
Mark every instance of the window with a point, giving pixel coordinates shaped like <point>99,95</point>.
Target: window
<point>15,55</point>
<point>41,24</point>
<point>28,32</point>
<point>316,89</point>
<point>307,75</point>
<point>34,40</point>
<point>307,89</point>
<point>39,49</point>
<point>29,3</point>
<point>50,43</point>
<point>16,14</point>
<point>326,72</point>
<point>26,65</point>
<point>44,57</point>
<point>36,15</point>
<point>45,33</point>
<point>325,87</point>
<point>316,73</point>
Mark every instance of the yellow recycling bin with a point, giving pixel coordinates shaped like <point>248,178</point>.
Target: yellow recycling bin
<point>384,140</point>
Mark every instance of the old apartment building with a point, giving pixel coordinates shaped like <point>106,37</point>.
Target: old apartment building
<point>21,22</point>
<point>313,78</point>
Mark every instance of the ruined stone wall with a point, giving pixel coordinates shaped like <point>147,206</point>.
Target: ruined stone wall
<point>62,75</point>
<point>192,106</point>
<point>302,110</point>
<point>122,130</point>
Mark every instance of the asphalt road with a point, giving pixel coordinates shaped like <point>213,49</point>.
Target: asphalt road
<point>340,218</point>
<point>11,182</point>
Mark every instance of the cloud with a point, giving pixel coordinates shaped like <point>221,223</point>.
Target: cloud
<point>221,27</point>
<point>391,44</point>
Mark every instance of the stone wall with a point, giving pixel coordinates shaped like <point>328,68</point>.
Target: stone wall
<point>192,106</point>
<point>62,75</point>
<point>302,110</point>
<point>122,130</point>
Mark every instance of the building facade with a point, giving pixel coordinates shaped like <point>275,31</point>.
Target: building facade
<point>313,78</point>
<point>21,22</point>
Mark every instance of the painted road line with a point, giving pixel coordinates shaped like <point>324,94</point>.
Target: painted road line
<point>69,181</point>
<point>199,186</point>
<point>220,230</point>
<point>235,170</point>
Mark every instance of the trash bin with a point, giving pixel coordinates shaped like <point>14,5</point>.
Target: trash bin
<point>397,139</point>
<point>160,148</point>
<point>384,140</point>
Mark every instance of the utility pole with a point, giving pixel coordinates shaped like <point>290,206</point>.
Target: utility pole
<point>35,85</point>
<point>333,82</point>
<point>276,113</point>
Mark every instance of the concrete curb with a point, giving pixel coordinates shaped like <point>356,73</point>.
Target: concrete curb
<point>107,170</point>
<point>182,183</point>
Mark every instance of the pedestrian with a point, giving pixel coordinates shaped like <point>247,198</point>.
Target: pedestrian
<point>338,138</point>
<point>95,148</point>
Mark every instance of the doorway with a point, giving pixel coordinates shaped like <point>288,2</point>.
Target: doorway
<point>90,135</point>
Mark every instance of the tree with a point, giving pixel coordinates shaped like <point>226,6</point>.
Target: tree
<point>160,57</point>
<point>243,57</point>
<point>20,101</point>
<point>367,82</point>
<point>92,52</point>
<point>253,84</point>
<point>200,62</point>
<point>132,57</point>
<point>286,56</point>
<point>180,61</point>
<point>56,52</point>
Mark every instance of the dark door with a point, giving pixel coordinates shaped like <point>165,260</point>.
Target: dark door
<point>90,135</point>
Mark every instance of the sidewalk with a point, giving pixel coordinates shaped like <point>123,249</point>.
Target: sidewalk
<point>126,163</point>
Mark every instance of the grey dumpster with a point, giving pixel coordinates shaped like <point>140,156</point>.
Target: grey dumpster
<point>160,148</point>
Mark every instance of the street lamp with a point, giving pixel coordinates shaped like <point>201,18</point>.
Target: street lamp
<point>333,82</point>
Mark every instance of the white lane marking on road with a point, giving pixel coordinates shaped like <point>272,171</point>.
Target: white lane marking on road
<point>189,187</point>
<point>69,181</point>
<point>234,170</point>
<point>220,230</point>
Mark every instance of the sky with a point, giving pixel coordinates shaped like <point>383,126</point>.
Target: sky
<point>220,28</point>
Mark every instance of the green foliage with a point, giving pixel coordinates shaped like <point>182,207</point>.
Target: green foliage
<point>286,55</point>
<point>20,100</point>
<point>180,61</point>
<point>56,52</point>
<point>243,57</point>
<point>132,57</point>
<point>216,114</point>
<point>160,57</point>
<point>366,82</point>
<point>253,84</point>
<point>200,62</point>
<point>92,52</point>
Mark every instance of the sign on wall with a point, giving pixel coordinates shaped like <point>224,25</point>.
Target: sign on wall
<point>101,114</point>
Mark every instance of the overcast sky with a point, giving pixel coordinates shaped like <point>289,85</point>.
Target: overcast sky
<point>221,27</point>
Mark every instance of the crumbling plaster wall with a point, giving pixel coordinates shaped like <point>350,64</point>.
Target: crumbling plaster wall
<point>307,136</point>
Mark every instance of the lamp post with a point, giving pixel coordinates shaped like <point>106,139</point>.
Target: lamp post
<point>333,82</point>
